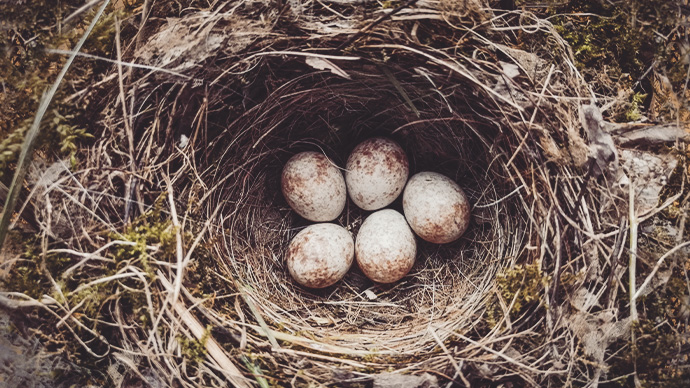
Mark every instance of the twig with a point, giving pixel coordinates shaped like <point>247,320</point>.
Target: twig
<point>376,22</point>
<point>632,275</point>
<point>178,243</point>
<point>132,183</point>
<point>659,262</point>
<point>443,347</point>
<point>214,350</point>
<point>319,346</point>
<point>119,63</point>
<point>633,251</point>
<point>257,315</point>
<point>506,357</point>
<point>534,115</point>
<point>456,67</point>
<point>79,11</point>
<point>399,88</point>
<point>14,304</point>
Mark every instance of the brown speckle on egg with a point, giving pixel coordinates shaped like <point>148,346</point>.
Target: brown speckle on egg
<point>314,187</point>
<point>320,255</point>
<point>385,248</point>
<point>376,172</point>
<point>436,208</point>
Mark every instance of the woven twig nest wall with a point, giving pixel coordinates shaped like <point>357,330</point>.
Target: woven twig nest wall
<point>228,95</point>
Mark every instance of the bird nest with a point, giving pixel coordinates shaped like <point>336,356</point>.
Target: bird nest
<point>193,141</point>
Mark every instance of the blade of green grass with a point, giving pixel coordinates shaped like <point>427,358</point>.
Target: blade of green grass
<point>400,90</point>
<point>32,134</point>
<point>256,371</point>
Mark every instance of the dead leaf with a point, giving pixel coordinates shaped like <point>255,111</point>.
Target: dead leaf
<point>325,64</point>
<point>322,321</point>
<point>597,331</point>
<point>649,172</point>
<point>184,43</point>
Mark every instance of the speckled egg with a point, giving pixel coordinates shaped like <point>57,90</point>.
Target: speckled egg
<point>385,248</point>
<point>436,207</point>
<point>376,172</point>
<point>320,255</point>
<point>314,187</point>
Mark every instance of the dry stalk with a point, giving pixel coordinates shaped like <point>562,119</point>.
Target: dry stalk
<point>214,349</point>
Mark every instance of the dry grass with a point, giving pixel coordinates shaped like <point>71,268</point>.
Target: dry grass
<point>252,85</point>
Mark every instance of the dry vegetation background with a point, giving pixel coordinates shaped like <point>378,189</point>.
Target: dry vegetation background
<point>145,247</point>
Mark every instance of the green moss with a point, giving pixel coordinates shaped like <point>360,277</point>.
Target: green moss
<point>616,43</point>
<point>29,69</point>
<point>677,184</point>
<point>28,274</point>
<point>201,274</point>
<point>653,356</point>
<point>618,34</point>
<point>26,277</point>
<point>160,234</point>
<point>195,350</point>
<point>634,112</point>
<point>656,355</point>
<point>524,284</point>
<point>388,4</point>
<point>93,299</point>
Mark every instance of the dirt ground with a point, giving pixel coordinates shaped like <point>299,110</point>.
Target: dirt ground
<point>23,361</point>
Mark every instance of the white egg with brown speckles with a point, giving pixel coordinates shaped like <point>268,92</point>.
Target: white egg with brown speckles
<point>376,172</point>
<point>314,187</point>
<point>436,208</point>
<point>385,248</point>
<point>320,255</point>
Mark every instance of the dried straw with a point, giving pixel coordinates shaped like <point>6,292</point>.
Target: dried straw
<point>443,78</point>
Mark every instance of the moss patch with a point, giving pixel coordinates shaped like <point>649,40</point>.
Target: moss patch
<point>523,286</point>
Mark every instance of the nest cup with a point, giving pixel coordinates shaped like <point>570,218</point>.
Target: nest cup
<point>271,94</point>
<point>450,132</point>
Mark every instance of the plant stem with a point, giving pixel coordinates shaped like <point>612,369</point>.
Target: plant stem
<point>632,272</point>
<point>633,253</point>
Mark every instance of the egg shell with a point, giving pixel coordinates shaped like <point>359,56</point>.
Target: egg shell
<point>436,208</point>
<point>314,187</point>
<point>376,172</point>
<point>385,248</point>
<point>320,255</point>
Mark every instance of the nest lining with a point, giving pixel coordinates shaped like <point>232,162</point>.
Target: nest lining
<point>448,282</point>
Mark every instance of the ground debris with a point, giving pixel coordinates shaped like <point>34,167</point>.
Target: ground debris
<point>602,150</point>
<point>184,43</point>
<point>649,172</point>
<point>627,135</point>
<point>597,331</point>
